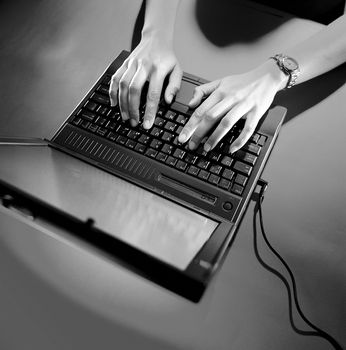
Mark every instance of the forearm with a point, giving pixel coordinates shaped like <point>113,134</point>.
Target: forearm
<point>160,18</point>
<point>322,52</point>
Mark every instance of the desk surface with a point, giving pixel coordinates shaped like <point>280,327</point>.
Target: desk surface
<point>55,295</point>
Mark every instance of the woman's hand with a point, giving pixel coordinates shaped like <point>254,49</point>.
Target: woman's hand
<point>152,60</point>
<point>246,95</point>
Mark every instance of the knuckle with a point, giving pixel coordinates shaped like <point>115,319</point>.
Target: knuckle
<point>210,116</point>
<point>198,114</point>
<point>248,128</point>
<point>123,84</point>
<point>153,96</point>
<point>134,89</point>
<point>226,123</point>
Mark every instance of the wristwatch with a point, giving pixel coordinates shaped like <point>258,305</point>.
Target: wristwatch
<point>289,66</point>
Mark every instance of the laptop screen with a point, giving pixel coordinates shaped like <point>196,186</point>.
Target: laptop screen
<point>153,224</point>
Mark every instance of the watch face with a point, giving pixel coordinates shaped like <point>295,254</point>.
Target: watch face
<point>290,63</point>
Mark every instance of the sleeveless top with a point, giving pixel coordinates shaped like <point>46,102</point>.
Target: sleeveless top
<point>323,11</point>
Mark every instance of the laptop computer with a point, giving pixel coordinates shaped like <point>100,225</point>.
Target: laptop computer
<point>148,202</point>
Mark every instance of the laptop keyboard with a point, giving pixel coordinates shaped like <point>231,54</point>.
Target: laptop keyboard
<point>217,167</point>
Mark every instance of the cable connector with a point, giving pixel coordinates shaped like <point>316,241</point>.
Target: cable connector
<point>256,196</point>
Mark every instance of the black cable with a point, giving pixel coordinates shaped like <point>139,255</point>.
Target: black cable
<point>317,331</point>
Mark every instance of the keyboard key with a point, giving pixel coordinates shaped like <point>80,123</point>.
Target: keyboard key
<point>123,130</point>
<point>103,89</point>
<point>181,119</point>
<point>214,179</point>
<point>167,136</point>
<point>133,134</point>
<point>179,130</point>
<point>144,139</point>
<point>190,158</point>
<point>242,168</point>
<point>168,149</point>
<point>159,121</point>
<point>225,184</point>
<point>103,110</point>
<point>254,138</point>
<point>100,121</point>
<point>246,157</point>
<point>252,148</point>
<point>193,170</point>
<point>87,115</point>
<point>112,136</point>
<point>240,179</point>
<point>203,164</point>
<point>151,153</point>
<point>181,165</point>
<point>140,148</point>
<point>121,139</point>
<point>85,124</point>
<point>156,144</point>
<point>170,126</point>
<point>170,115</point>
<point>215,169</point>
<point>131,144</point>
<point>213,156</point>
<point>200,151</point>
<point>92,127</point>
<point>111,125</point>
<point>262,140</point>
<point>156,132</point>
<point>237,189</point>
<point>161,157</point>
<point>227,161</point>
<point>228,174</point>
<point>91,105</point>
<point>76,120</point>
<point>171,161</point>
<point>203,174</point>
<point>101,131</point>
<point>179,153</point>
<point>100,98</point>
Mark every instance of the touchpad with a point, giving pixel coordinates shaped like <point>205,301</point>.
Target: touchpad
<point>185,93</point>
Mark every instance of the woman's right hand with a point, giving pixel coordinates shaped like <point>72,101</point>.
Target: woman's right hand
<point>152,60</point>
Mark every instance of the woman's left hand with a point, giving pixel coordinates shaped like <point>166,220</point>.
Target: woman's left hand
<point>247,95</point>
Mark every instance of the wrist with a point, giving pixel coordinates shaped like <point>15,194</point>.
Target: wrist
<point>275,74</point>
<point>154,33</point>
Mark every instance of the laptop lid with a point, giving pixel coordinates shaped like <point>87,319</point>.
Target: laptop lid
<point>144,220</point>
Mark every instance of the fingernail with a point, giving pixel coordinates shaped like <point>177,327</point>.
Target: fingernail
<point>232,150</point>
<point>192,145</point>
<point>112,103</point>
<point>182,138</point>
<point>170,98</point>
<point>146,124</point>
<point>125,116</point>
<point>133,123</point>
<point>207,147</point>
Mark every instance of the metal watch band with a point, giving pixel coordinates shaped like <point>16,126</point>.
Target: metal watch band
<point>291,73</point>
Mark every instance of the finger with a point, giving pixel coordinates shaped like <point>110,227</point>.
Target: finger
<point>252,119</point>
<point>210,119</point>
<point>124,91</point>
<point>114,86</point>
<point>153,99</point>
<point>196,117</point>
<point>202,91</point>
<point>174,83</point>
<point>134,96</point>
<point>226,125</point>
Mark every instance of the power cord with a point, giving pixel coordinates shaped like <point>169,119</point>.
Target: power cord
<point>318,332</point>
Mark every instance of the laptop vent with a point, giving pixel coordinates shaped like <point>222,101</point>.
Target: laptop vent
<point>112,156</point>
